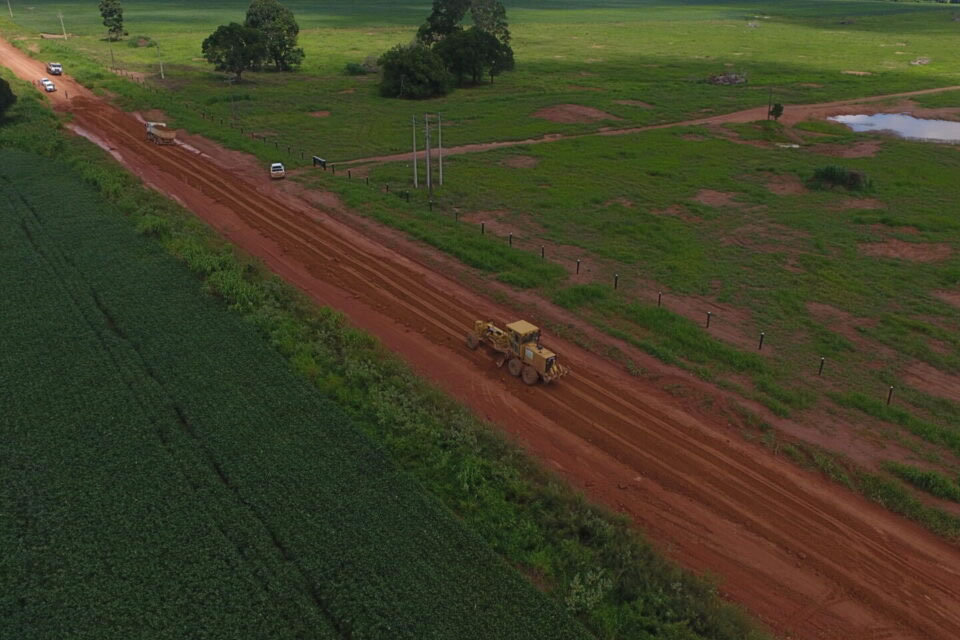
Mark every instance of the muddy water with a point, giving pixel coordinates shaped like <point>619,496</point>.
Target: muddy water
<point>904,126</point>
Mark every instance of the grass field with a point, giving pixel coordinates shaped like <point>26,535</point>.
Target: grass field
<point>237,487</point>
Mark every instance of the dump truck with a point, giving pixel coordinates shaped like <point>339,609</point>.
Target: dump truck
<point>158,133</point>
<point>519,346</point>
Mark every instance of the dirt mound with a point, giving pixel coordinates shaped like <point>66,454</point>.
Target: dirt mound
<point>859,203</point>
<point>786,185</point>
<point>913,251</point>
<point>520,162</point>
<point>320,114</point>
<point>713,198</point>
<point>635,103</point>
<point>923,377</point>
<point>572,113</point>
<point>864,149</point>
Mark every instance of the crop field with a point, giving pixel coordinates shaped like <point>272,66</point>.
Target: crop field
<point>165,474</point>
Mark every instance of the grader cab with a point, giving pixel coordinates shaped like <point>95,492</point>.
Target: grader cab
<point>519,346</point>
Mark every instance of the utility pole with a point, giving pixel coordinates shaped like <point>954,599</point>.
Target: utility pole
<point>426,122</point>
<point>769,103</point>
<point>10,9</point>
<point>415,172</point>
<point>60,15</point>
<point>113,65</point>
<point>162,77</point>
<point>440,146</point>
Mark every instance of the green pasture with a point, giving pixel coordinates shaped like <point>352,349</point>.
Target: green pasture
<point>593,55</point>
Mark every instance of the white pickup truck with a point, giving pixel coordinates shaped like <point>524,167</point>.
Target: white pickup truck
<point>48,85</point>
<point>54,68</point>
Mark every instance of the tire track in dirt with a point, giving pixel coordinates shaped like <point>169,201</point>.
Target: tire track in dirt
<point>804,555</point>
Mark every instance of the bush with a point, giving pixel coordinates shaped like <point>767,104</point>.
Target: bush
<point>7,97</point>
<point>141,41</point>
<point>354,69</point>
<point>413,71</point>
<point>836,176</point>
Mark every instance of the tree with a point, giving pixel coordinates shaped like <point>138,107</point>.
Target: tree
<point>473,53</point>
<point>235,48</point>
<point>776,111</point>
<point>112,14</point>
<point>491,16</point>
<point>443,21</point>
<point>413,71</point>
<point>278,25</point>
<point>7,97</point>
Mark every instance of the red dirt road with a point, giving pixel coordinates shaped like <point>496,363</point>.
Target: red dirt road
<point>805,556</point>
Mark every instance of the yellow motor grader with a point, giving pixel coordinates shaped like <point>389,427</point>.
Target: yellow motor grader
<point>520,348</point>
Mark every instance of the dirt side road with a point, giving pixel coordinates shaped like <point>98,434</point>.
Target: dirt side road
<point>805,556</point>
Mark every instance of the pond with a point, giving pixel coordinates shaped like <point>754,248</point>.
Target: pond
<point>904,125</point>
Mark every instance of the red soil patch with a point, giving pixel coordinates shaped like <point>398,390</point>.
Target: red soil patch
<point>623,202</point>
<point>571,113</point>
<point>859,203</point>
<point>492,221</point>
<point>520,162</point>
<point>950,297</point>
<point>350,90</point>
<point>923,377</point>
<point>811,85</point>
<point>713,198</point>
<point>320,114</point>
<point>864,149</point>
<point>913,251</point>
<point>635,103</point>
<point>840,321</point>
<point>764,237</point>
<point>786,185</point>
<point>692,137</point>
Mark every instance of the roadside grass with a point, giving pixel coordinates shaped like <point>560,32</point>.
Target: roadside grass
<point>933,482</point>
<point>590,561</point>
<point>887,492</point>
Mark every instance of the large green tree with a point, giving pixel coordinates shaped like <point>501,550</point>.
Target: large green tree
<point>112,13</point>
<point>413,71</point>
<point>473,53</point>
<point>235,48</point>
<point>445,18</point>
<point>7,97</point>
<point>280,29</point>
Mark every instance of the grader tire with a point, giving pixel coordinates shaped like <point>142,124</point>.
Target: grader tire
<point>472,341</point>
<point>530,375</point>
<point>515,367</point>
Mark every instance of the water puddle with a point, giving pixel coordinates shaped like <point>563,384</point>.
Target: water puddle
<point>904,126</point>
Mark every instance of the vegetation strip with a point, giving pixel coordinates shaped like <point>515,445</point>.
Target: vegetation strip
<point>590,561</point>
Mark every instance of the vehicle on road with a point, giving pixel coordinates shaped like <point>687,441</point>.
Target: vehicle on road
<point>54,68</point>
<point>277,171</point>
<point>158,133</point>
<point>48,85</point>
<point>521,350</point>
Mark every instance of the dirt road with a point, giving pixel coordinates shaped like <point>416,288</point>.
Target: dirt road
<point>794,114</point>
<point>805,556</point>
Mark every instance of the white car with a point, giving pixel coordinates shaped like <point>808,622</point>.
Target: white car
<point>277,171</point>
<point>54,68</point>
<point>48,85</point>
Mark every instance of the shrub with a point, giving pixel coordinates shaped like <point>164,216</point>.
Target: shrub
<point>836,176</point>
<point>354,69</point>
<point>413,71</point>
